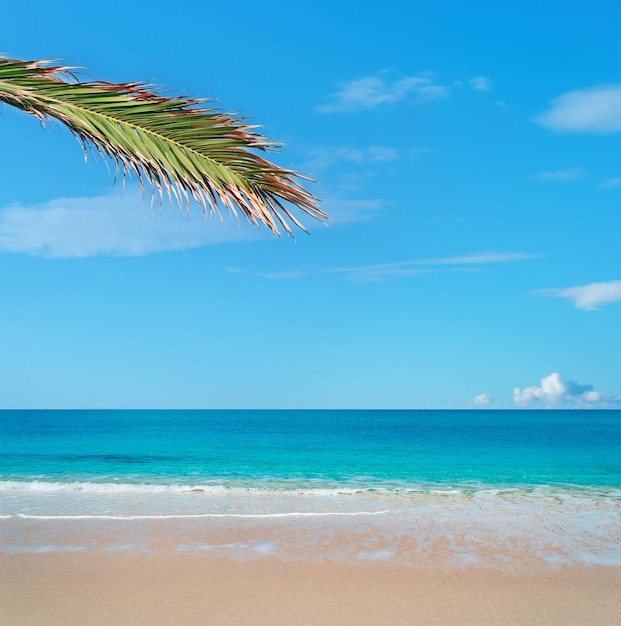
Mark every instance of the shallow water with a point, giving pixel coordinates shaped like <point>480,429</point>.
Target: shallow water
<point>397,486</point>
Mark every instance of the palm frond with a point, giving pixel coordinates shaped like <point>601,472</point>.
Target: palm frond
<point>178,145</point>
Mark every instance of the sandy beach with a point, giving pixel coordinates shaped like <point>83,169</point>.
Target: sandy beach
<point>139,538</point>
<point>133,588</point>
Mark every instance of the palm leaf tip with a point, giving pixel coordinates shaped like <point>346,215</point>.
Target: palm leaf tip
<point>178,145</point>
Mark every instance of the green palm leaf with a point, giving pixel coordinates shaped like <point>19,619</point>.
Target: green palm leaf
<point>178,145</point>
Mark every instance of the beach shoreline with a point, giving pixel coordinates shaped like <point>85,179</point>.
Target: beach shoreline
<point>130,587</point>
<point>309,518</point>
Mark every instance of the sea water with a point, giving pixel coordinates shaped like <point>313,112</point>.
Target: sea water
<point>459,486</point>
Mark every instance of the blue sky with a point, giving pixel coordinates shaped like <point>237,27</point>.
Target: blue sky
<point>469,156</point>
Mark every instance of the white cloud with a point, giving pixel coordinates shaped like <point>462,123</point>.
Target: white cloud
<point>610,183</point>
<point>555,391</point>
<point>377,272</point>
<point>478,259</point>
<point>371,92</point>
<point>593,110</point>
<point>320,158</point>
<point>283,275</point>
<point>431,92</point>
<point>399,269</point>
<point>323,157</point>
<point>416,151</point>
<point>482,399</point>
<point>354,273</point>
<point>346,210</point>
<point>560,175</point>
<point>111,225</point>
<point>481,83</point>
<point>588,297</point>
<point>380,271</point>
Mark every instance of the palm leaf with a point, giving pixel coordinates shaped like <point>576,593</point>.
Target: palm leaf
<point>178,145</point>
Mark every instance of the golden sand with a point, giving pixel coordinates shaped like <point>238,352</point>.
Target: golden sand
<point>131,588</point>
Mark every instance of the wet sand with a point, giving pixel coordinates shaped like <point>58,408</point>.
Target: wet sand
<point>98,587</point>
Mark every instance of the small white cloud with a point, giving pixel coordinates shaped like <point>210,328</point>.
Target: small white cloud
<point>346,210</point>
<point>411,268</point>
<point>610,183</point>
<point>282,275</point>
<point>320,158</point>
<point>482,399</point>
<point>110,225</point>
<point>378,271</point>
<point>588,297</point>
<point>370,154</point>
<point>481,83</point>
<point>416,151</point>
<point>399,269</point>
<point>479,259</point>
<point>381,153</point>
<point>432,92</point>
<point>555,391</point>
<point>323,157</point>
<point>372,92</point>
<point>560,175</point>
<point>593,110</point>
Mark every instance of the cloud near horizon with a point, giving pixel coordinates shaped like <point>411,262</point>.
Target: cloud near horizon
<point>110,225</point>
<point>593,110</point>
<point>483,399</point>
<point>556,391</point>
<point>588,297</point>
<point>371,92</point>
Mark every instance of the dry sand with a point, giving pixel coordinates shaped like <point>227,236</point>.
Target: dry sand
<point>134,589</point>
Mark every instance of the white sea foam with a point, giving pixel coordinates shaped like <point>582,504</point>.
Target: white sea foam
<point>463,524</point>
<point>486,527</point>
<point>151,501</point>
<point>289,488</point>
<point>46,548</point>
<point>258,516</point>
<point>376,555</point>
<point>41,486</point>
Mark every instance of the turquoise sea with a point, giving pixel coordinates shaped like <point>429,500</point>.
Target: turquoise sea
<point>407,481</point>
